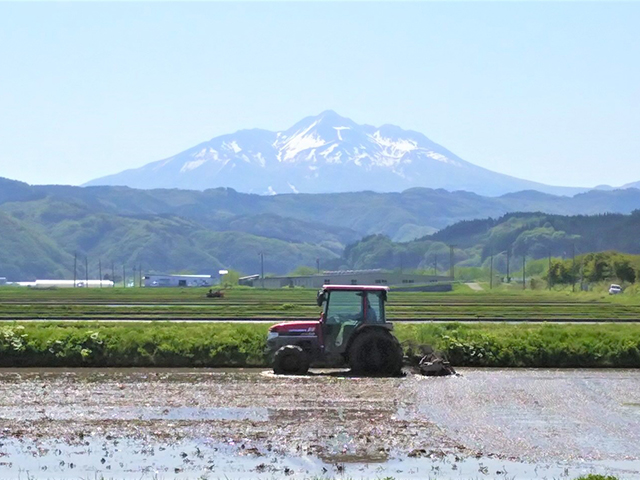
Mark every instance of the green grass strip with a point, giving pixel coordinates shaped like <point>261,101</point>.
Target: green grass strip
<point>164,344</point>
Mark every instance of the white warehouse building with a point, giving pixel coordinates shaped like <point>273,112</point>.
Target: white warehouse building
<point>346,277</point>
<point>67,284</point>
<point>163,280</point>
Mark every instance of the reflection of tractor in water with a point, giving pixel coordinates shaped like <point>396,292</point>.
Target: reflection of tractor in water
<point>352,331</point>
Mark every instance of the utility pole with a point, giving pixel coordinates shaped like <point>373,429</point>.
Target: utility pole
<point>75,268</point>
<point>451,262</point>
<point>491,273</point>
<point>549,272</point>
<point>573,268</point>
<point>318,265</point>
<point>124,277</point>
<point>86,271</point>
<point>113,275</point>
<point>100,271</point>
<point>435,265</point>
<point>140,271</point>
<point>508,261</point>
<point>524,272</point>
<point>262,268</point>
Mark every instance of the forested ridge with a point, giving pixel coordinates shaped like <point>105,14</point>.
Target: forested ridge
<point>172,230</point>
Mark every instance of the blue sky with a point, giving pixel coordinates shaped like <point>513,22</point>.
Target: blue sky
<point>544,91</point>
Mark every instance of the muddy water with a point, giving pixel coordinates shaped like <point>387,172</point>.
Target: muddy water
<point>250,424</point>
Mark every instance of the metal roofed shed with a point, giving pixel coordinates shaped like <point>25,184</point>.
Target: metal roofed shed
<point>167,280</point>
<point>347,277</point>
<point>67,284</point>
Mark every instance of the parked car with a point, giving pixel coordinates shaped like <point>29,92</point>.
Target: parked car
<point>615,289</point>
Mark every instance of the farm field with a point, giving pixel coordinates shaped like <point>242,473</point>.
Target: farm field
<point>182,327</point>
<point>170,304</point>
<point>151,424</point>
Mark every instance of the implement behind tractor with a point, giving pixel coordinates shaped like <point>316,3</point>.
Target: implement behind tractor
<point>352,331</point>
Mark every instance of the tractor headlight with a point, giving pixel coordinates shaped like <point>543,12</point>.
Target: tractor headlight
<point>272,335</point>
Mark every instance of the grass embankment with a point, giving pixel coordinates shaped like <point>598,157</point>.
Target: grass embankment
<point>530,345</point>
<point>223,344</point>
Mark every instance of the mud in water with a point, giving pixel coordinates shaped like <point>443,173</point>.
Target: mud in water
<point>136,423</point>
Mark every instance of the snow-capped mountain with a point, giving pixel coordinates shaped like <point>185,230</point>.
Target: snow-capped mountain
<point>322,154</point>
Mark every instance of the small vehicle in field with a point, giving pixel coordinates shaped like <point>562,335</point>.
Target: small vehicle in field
<point>615,289</point>
<point>215,293</point>
<point>352,331</point>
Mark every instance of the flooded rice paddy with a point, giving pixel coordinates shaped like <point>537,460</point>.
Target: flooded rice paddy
<point>191,424</point>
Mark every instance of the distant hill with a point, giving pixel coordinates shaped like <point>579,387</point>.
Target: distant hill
<point>40,238</point>
<point>326,153</point>
<point>171,230</point>
<point>533,235</point>
<point>27,253</point>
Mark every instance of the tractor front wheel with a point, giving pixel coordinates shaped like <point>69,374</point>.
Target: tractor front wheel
<point>291,360</point>
<point>376,353</point>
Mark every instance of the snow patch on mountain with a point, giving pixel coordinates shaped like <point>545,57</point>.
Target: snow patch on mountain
<point>339,129</point>
<point>299,142</point>
<point>442,158</point>
<point>327,151</point>
<point>398,147</point>
<point>233,146</point>
<point>260,158</point>
<point>191,165</point>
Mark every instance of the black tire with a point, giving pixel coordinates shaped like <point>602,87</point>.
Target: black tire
<point>291,360</point>
<point>376,352</point>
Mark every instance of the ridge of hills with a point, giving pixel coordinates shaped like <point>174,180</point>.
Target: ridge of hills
<point>171,230</point>
<point>534,235</point>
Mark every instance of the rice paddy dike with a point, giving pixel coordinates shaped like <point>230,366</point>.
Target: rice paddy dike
<point>247,304</point>
<point>182,328</point>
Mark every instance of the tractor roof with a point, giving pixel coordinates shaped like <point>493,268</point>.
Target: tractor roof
<point>357,288</point>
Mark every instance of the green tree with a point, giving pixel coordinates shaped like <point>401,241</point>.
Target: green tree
<point>560,273</point>
<point>302,271</point>
<point>624,271</point>
<point>231,278</point>
<point>597,267</point>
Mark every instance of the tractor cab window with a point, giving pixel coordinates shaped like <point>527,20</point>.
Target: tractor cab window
<point>344,307</point>
<point>344,312</point>
<point>375,307</point>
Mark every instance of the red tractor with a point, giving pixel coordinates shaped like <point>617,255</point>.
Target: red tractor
<point>352,331</point>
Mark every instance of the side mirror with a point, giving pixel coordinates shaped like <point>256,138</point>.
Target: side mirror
<point>321,298</point>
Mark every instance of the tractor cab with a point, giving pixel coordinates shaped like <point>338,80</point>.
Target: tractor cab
<point>347,309</point>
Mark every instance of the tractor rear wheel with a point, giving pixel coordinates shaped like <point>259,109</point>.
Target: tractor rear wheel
<point>376,353</point>
<point>291,360</point>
